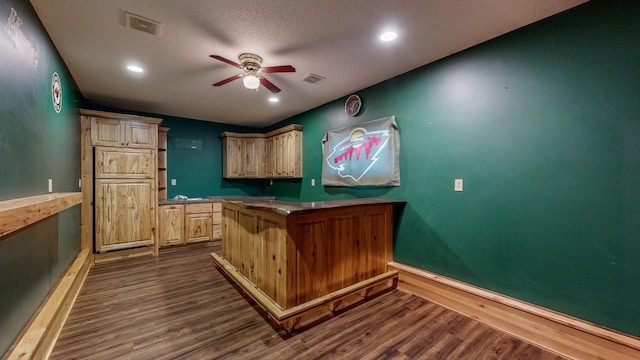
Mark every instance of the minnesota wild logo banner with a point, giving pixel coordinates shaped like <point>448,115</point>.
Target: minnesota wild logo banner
<point>367,154</point>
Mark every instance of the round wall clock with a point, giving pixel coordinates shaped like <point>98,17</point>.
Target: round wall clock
<point>352,105</point>
<point>56,92</point>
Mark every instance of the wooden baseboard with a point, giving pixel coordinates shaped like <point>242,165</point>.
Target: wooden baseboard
<point>560,333</point>
<point>39,336</point>
<point>123,254</point>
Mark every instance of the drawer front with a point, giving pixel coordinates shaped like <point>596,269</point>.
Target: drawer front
<point>198,208</point>
<point>124,163</point>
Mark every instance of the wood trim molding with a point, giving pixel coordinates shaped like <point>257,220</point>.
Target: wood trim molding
<point>119,116</point>
<point>38,338</point>
<point>560,333</point>
<point>283,130</point>
<point>267,135</point>
<point>16,214</point>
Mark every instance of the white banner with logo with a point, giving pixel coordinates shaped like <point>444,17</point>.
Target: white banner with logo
<point>367,154</point>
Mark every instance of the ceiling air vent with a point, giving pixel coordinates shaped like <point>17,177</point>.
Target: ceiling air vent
<point>313,79</point>
<point>140,23</point>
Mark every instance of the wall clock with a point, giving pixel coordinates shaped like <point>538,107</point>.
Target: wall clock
<point>352,105</point>
<point>56,92</point>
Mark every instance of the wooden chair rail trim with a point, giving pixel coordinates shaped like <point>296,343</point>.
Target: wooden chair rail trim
<point>16,214</point>
<point>276,311</point>
<point>39,336</point>
<point>561,333</point>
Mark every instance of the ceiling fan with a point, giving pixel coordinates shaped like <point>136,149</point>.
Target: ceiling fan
<point>251,65</point>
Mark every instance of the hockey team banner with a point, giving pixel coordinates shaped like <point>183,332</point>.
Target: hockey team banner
<point>367,154</point>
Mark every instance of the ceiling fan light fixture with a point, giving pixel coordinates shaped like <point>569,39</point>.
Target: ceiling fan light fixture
<point>388,36</point>
<point>251,81</point>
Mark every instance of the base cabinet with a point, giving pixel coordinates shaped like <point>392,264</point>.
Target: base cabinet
<point>188,223</point>
<point>171,225</point>
<point>125,213</point>
<point>198,222</point>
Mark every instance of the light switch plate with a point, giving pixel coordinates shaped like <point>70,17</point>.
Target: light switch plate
<point>457,185</point>
<point>173,182</point>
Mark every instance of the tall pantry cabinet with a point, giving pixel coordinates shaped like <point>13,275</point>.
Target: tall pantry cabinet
<point>119,184</point>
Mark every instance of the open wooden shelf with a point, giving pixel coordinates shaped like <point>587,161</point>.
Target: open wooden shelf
<point>16,214</point>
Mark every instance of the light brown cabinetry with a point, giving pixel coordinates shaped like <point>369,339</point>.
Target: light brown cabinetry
<point>124,163</point>
<point>119,182</point>
<point>284,154</point>
<point>277,154</point>
<point>123,133</point>
<point>198,222</point>
<point>243,155</point>
<point>125,213</point>
<point>187,223</point>
<point>171,225</point>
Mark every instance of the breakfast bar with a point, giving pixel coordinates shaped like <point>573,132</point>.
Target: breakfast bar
<point>299,260</point>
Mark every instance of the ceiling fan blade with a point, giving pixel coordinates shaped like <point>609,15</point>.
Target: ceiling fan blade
<point>225,60</point>
<point>269,85</point>
<point>220,83</point>
<point>275,69</point>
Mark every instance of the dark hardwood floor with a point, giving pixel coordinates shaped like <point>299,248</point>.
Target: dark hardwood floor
<point>178,306</point>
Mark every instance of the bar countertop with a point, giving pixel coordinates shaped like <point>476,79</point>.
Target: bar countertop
<point>289,207</point>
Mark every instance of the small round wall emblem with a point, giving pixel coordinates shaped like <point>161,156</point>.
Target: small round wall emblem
<point>352,105</point>
<point>56,92</point>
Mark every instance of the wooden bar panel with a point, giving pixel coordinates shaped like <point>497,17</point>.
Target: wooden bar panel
<point>299,257</point>
<point>313,259</point>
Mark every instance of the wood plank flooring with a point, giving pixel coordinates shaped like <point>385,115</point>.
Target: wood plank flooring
<point>179,306</point>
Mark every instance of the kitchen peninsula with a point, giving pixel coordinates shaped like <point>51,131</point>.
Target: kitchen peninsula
<point>298,260</point>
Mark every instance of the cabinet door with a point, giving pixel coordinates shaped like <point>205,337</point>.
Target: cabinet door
<point>270,157</point>
<point>124,163</point>
<point>280,152</point>
<point>171,225</point>
<point>232,157</point>
<point>140,135</point>
<point>293,158</point>
<point>125,213</point>
<point>253,157</point>
<point>198,227</point>
<point>107,132</point>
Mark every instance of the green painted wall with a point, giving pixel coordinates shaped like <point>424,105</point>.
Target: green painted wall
<point>36,144</point>
<point>194,159</point>
<point>543,125</point>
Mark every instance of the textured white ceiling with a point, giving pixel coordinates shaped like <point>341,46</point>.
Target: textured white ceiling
<point>335,39</point>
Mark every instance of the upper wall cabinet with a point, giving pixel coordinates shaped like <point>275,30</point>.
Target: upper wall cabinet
<point>123,133</point>
<point>284,153</point>
<point>277,154</point>
<point>243,155</point>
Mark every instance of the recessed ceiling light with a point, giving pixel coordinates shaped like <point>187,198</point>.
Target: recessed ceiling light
<point>388,36</point>
<point>274,99</point>
<point>134,68</point>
